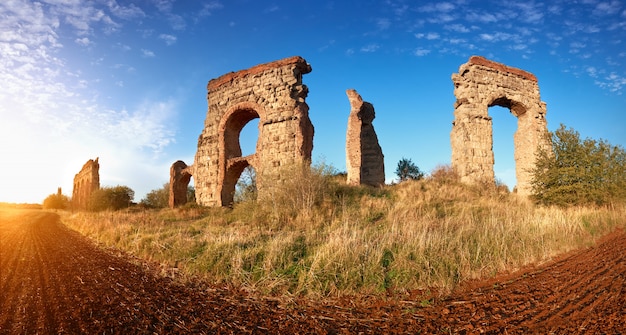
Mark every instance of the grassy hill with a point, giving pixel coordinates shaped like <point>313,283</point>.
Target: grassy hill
<point>315,236</point>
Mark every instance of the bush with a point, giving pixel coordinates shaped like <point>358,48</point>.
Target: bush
<point>579,172</point>
<point>158,198</point>
<point>56,201</point>
<point>111,198</point>
<point>406,170</point>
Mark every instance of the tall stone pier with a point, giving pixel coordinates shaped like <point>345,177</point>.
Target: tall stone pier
<point>364,157</point>
<point>480,84</point>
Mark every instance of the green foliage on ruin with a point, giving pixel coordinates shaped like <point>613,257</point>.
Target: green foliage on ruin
<point>574,171</point>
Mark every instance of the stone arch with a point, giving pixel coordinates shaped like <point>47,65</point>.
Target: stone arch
<point>480,84</point>
<point>231,124</point>
<point>274,93</point>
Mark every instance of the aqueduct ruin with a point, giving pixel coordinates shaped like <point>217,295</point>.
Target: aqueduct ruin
<point>273,93</point>
<point>85,182</point>
<point>480,84</point>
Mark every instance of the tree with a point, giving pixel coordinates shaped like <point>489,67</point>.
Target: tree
<point>577,172</point>
<point>191,194</point>
<point>408,170</point>
<point>56,201</point>
<point>245,189</point>
<point>111,198</point>
<point>157,198</point>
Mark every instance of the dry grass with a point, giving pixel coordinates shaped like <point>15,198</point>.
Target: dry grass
<point>318,237</point>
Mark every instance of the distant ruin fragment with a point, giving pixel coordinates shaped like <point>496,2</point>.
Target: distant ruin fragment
<point>364,157</point>
<point>272,92</point>
<point>480,84</point>
<point>85,182</point>
<point>179,182</point>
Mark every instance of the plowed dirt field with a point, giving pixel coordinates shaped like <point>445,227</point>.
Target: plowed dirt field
<point>54,280</point>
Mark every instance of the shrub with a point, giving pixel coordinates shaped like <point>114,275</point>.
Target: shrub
<point>56,201</point>
<point>579,172</point>
<point>406,170</point>
<point>157,198</point>
<point>111,198</point>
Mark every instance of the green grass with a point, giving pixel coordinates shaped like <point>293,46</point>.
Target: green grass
<point>316,236</point>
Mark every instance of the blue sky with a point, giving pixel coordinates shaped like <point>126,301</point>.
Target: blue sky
<point>126,80</point>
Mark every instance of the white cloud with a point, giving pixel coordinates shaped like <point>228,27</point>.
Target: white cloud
<point>209,8</point>
<point>421,52</point>
<point>370,47</point>
<point>127,13</point>
<point>83,41</point>
<point>459,28</point>
<point>481,17</point>
<point>437,7</point>
<point>51,121</point>
<point>168,39</point>
<point>496,37</point>
<point>147,53</point>
<point>383,24</point>
<point>428,36</point>
<point>607,8</point>
<point>271,9</point>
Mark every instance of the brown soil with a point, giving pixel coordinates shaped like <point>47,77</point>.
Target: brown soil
<point>54,280</point>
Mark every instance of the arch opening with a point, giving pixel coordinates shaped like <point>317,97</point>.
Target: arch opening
<point>249,137</point>
<point>246,187</point>
<point>232,131</point>
<point>233,173</point>
<point>504,127</point>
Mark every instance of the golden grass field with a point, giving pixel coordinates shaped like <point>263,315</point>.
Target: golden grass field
<point>317,237</point>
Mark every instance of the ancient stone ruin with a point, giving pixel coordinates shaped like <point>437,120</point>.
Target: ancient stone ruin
<point>480,84</point>
<point>179,180</point>
<point>364,157</point>
<point>85,182</point>
<point>273,93</point>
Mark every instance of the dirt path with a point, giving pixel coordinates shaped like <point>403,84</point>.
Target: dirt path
<point>53,280</point>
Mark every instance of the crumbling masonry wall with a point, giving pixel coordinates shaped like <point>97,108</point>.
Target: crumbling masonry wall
<point>272,92</point>
<point>364,157</point>
<point>480,84</point>
<point>85,182</point>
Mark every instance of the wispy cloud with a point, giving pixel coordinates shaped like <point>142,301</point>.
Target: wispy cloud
<point>428,36</point>
<point>607,8</point>
<point>147,53</point>
<point>168,39</point>
<point>421,52</point>
<point>83,41</point>
<point>271,9</point>
<point>48,108</point>
<point>210,7</point>
<point>383,23</point>
<point>373,47</point>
